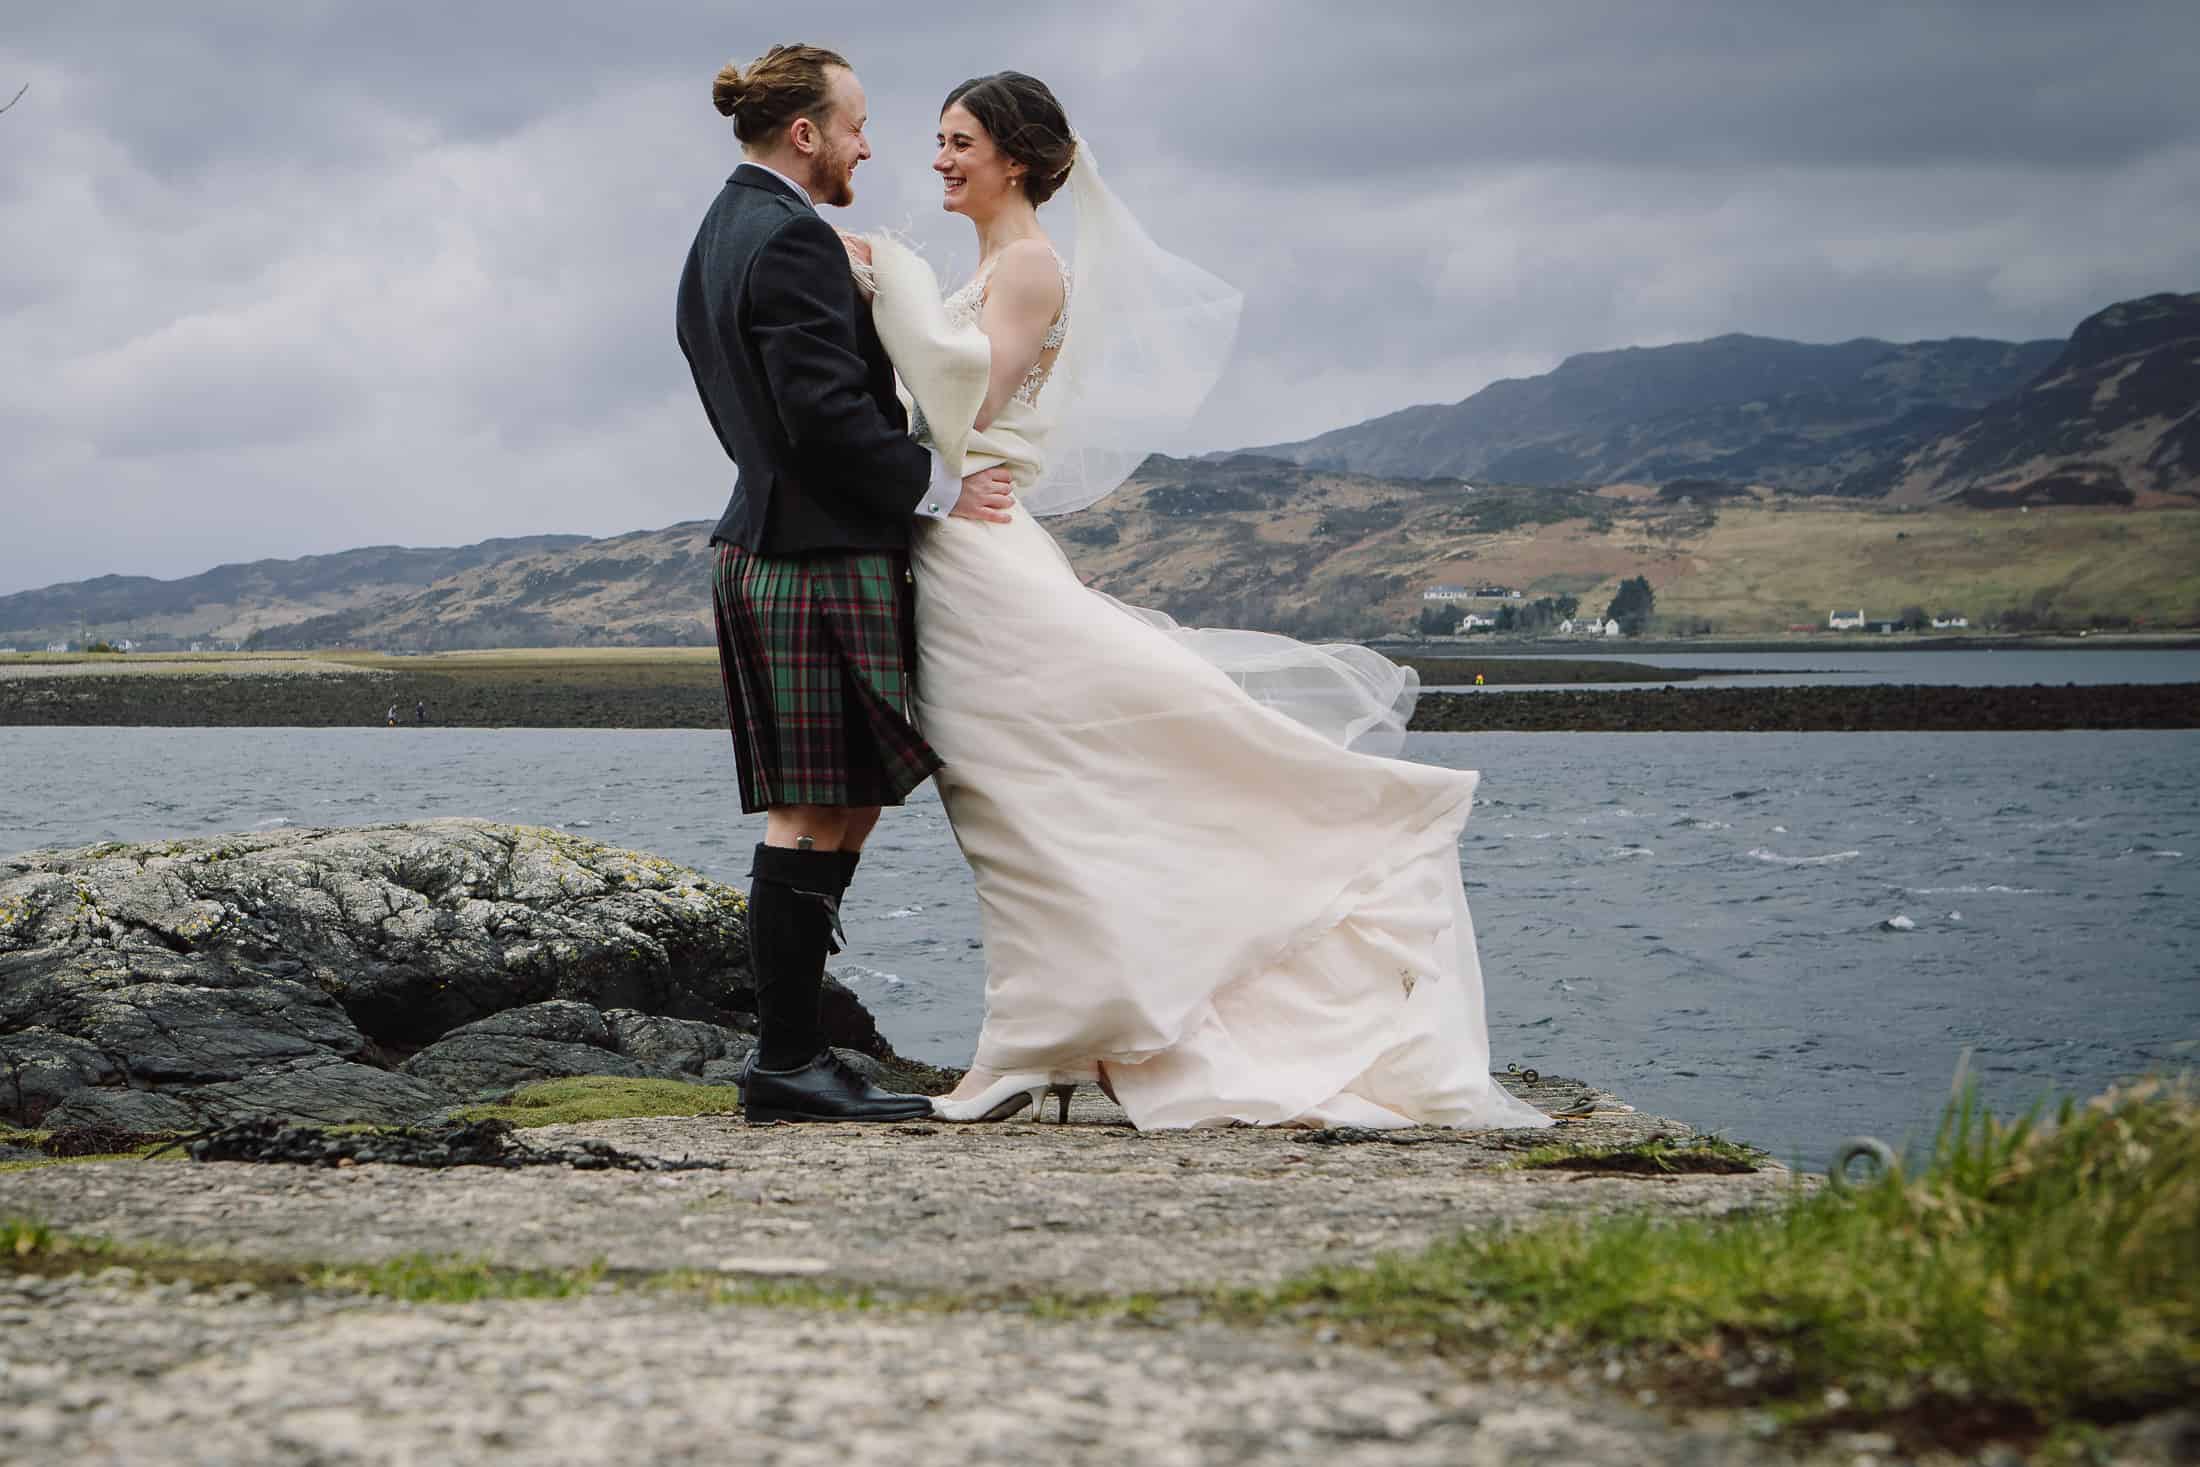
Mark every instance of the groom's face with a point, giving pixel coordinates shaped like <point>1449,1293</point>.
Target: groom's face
<point>841,144</point>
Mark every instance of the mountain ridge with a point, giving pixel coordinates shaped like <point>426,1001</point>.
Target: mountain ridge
<point>2114,419</point>
<point>1618,463</point>
<point>1781,412</point>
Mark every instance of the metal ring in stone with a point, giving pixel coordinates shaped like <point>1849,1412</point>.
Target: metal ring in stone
<point>1870,1149</point>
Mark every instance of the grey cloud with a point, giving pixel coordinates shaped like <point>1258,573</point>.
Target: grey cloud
<point>1417,89</point>
<point>286,278</point>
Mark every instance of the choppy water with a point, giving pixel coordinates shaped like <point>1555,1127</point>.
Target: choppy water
<point>1692,919</point>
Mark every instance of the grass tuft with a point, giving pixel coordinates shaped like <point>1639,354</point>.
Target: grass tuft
<point>20,1237</point>
<point>420,1278</point>
<point>42,1142</point>
<point>770,1293</point>
<point>2031,1279</point>
<point>1658,1156</point>
<point>606,1098</point>
<point>30,1246</point>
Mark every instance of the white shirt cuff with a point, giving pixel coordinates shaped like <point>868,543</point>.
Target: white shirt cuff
<point>939,500</point>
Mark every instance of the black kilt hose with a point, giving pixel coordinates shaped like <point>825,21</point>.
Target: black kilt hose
<point>817,653</point>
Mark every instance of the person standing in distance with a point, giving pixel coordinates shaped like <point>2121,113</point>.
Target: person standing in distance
<point>812,591</point>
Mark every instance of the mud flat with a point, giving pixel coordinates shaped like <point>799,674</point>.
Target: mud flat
<point>573,690</point>
<point>1812,710</point>
<point>680,689</point>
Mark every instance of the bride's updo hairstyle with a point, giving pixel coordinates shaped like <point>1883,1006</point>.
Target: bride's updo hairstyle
<point>1025,121</point>
<point>784,83</point>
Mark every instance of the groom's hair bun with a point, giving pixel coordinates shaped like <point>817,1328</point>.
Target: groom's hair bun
<point>1025,121</point>
<point>784,83</point>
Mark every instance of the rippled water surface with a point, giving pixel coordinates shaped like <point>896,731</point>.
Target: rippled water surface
<point>1696,920</point>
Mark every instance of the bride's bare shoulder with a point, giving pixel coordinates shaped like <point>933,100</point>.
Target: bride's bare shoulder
<point>1028,273</point>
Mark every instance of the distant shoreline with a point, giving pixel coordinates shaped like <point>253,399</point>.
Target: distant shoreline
<point>1882,708</point>
<point>1827,643</point>
<point>679,689</point>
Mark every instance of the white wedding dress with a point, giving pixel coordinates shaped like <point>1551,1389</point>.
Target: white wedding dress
<point>1241,917</point>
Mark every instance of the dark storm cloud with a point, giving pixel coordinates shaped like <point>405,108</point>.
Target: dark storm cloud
<point>1414,88</point>
<point>285,278</point>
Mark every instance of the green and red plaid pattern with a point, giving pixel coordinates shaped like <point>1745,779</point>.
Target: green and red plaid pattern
<point>817,657</point>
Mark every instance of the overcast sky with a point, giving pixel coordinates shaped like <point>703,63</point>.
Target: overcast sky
<point>292,277</point>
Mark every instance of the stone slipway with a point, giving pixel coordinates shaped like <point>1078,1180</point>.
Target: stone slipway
<point>101,1375</point>
<point>956,1229</point>
<point>965,1238</point>
<point>1093,1208</point>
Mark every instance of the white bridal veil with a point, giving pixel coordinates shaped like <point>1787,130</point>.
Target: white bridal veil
<point>1150,333</point>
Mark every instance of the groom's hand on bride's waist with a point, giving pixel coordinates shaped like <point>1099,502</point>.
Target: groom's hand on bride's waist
<point>987,495</point>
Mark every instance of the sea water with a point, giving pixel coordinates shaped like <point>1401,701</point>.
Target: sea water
<point>1702,922</point>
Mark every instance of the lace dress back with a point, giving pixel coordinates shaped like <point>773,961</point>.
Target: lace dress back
<point>966,304</point>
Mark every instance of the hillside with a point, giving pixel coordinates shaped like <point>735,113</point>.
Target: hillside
<point>231,602</point>
<point>1259,542</point>
<point>647,589</point>
<point>1746,408</point>
<point>2115,419</point>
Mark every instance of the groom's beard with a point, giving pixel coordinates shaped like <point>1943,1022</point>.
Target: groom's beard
<point>836,178</point>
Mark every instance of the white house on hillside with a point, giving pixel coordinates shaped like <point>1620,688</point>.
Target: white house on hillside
<point>1846,621</point>
<point>1446,593</point>
<point>1611,628</point>
<point>1943,623</point>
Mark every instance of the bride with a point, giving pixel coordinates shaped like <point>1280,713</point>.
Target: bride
<point>1197,889</point>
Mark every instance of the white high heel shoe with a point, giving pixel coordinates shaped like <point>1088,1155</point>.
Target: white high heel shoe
<point>1006,1096</point>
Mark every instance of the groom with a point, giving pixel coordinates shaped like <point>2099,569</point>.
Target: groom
<point>812,586</point>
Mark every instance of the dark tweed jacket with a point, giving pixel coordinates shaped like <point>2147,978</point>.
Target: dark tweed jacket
<point>795,379</point>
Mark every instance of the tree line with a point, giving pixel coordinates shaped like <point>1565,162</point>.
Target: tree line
<point>1631,607</point>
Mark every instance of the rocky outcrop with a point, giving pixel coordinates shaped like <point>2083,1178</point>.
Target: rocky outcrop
<point>374,973</point>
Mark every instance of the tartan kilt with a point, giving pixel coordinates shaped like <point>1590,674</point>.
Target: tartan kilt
<point>818,655</point>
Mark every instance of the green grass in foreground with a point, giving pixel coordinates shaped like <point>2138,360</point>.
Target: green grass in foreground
<point>606,1098</point>
<point>2032,1278</point>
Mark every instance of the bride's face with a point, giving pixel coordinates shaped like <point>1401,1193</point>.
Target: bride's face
<point>976,178</point>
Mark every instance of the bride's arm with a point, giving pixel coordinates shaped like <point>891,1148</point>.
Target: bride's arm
<point>1021,301</point>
